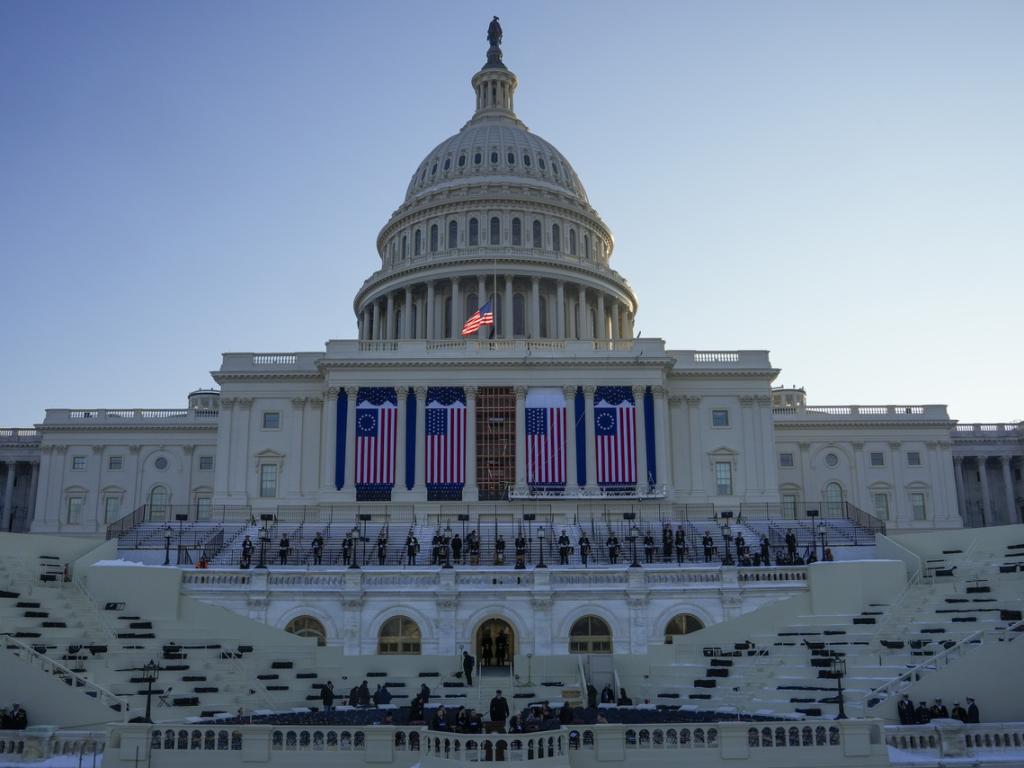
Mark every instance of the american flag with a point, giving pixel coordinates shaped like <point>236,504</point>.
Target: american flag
<point>615,435</point>
<point>545,436</point>
<point>446,437</point>
<point>483,316</point>
<point>376,432</point>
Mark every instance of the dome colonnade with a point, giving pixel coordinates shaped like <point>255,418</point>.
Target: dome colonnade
<point>495,213</point>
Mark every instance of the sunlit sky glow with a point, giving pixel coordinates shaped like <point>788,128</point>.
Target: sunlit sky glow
<point>841,183</point>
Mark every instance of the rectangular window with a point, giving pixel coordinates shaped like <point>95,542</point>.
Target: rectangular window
<point>268,481</point>
<point>785,459</point>
<point>78,463</point>
<point>914,458</point>
<point>75,504</point>
<point>111,508</point>
<point>271,420</point>
<point>206,463</point>
<point>917,504</point>
<point>789,504</point>
<point>877,459</point>
<point>723,478</point>
<point>881,503</point>
<point>115,463</point>
<point>203,508</point>
<point>719,417</point>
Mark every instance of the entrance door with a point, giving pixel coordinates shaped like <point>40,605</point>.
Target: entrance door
<point>495,645</point>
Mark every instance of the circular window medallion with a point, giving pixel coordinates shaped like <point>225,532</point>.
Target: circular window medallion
<point>160,463</point>
<point>831,459</point>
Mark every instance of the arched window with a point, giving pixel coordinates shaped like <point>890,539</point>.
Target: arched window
<point>453,234</point>
<point>518,315</point>
<point>517,232</point>
<point>586,246</point>
<point>526,160</point>
<point>462,161</point>
<point>405,246</point>
<point>834,498</point>
<point>572,242</point>
<point>159,502</point>
<point>447,331</point>
<point>307,626</point>
<point>396,332</point>
<point>540,162</point>
<point>511,158</point>
<point>495,230</point>
<point>399,635</point>
<point>474,232</point>
<point>556,237</point>
<point>417,243</point>
<point>477,158</point>
<point>494,155</point>
<point>543,318</point>
<point>537,238</point>
<point>433,238</point>
<point>682,624</point>
<point>590,635</point>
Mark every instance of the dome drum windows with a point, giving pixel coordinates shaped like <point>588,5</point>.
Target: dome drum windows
<point>474,232</point>
<point>556,238</point>
<point>495,231</point>
<point>526,159</point>
<point>517,231</point>
<point>478,158</point>
<point>417,240</point>
<point>572,242</point>
<point>511,158</point>
<point>494,157</point>
<point>462,160</point>
<point>453,234</point>
<point>434,238</point>
<point>447,163</point>
<point>538,239</point>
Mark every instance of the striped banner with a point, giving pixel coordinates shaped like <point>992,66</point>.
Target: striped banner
<point>376,424</point>
<point>615,435</point>
<point>446,439</point>
<point>545,436</point>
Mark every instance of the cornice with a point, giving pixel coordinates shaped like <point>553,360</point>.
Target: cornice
<point>211,427</point>
<point>859,424</point>
<point>478,363</point>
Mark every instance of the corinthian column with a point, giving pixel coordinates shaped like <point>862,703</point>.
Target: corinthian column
<point>470,491</point>
<point>419,484</point>
<point>520,436</point>
<point>572,481</point>
<point>640,402</point>
<point>588,409</point>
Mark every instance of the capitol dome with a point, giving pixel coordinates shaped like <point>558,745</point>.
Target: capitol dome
<point>495,214</point>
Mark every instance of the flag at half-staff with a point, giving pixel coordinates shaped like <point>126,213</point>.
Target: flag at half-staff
<point>483,316</point>
<point>545,436</point>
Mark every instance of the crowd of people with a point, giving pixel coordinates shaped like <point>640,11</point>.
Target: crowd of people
<point>448,548</point>
<point>923,714</point>
<point>13,718</point>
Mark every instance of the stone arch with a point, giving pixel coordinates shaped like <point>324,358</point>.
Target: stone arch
<point>307,626</point>
<point>374,625</point>
<point>682,624</point>
<point>330,627</point>
<point>473,622</point>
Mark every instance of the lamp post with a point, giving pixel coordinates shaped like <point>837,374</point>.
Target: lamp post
<point>727,535</point>
<point>447,547</point>
<point>167,545</point>
<point>181,533</point>
<point>150,673</point>
<point>823,533</point>
<point>839,672</point>
<point>264,538</point>
<point>541,533</point>
<point>354,564</point>
<point>634,534</point>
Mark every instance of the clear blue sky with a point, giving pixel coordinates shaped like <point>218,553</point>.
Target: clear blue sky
<point>840,183</point>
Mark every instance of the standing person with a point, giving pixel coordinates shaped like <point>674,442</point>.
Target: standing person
<point>499,709</point>
<point>741,546</point>
<point>791,545</point>
<point>564,547</point>
<point>282,548</point>
<point>501,648</point>
<point>709,547</point>
<point>364,694</point>
<point>474,547</point>
<point>412,546</point>
<point>424,693</point>
<point>382,547</point>
<point>327,696</point>
<point>613,549</point>
<point>973,715</point>
<point>666,543</point>
<point>939,710</point>
<point>318,549</point>
<point>520,544</point>
<point>346,548</point>
<point>766,551</point>
<point>922,715</point>
<point>584,545</point>
<point>468,662</point>
<point>680,544</point>
<point>649,546</point>
<point>499,550</point>
<point>435,549</point>
<point>958,713</point>
<point>457,549</point>
<point>905,709</point>
<point>247,548</point>
<point>486,649</point>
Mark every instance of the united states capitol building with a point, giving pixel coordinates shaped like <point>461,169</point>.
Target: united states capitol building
<point>652,520</point>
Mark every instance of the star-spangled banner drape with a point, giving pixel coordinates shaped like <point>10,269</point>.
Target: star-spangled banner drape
<point>545,436</point>
<point>445,450</point>
<point>376,425</point>
<point>615,435</point>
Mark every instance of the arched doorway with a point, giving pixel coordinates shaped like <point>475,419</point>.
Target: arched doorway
<point>682,624</point>
<point>495,646</point>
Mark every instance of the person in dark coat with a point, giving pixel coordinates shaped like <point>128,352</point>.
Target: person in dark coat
<point>766,551</point>
<point>501,648</point>
<point>922,715</point>
<point>591,696</point>
<point>939,710</point>
<point>416,710</point>
<point>709,547</point>
<point>958,713</point>
<point>457,548</point>
<point>327,696</point>
<point>412,547</point>
<point>499,709</point>
<point>424,693</point>
<point>318,549</point>
<point>347,544</point>
<point>564,548</point>
<point>382,548</point>
<point>607,695</point>
<point>613,549</point>
<point>499,550</point>
<point>282,549</point>
<point>680,544</point>
<point>973,715</point>
<point>584,545</point>
<point>905,709</point>
<point>741,546</point>
<point>364,694</point>
<point>791,545</point>
<point>468,662</point>
<point>666,543</point>
<point>247,549</point>
<point>649,547</point>
<point>486,649</point>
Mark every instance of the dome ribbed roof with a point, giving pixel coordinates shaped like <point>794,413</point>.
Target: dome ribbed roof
<point>499,150</point>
